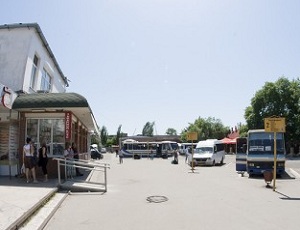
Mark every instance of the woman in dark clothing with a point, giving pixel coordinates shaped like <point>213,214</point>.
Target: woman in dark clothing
<point>43,160</point>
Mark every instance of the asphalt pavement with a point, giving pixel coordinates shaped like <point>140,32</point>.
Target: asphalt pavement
<point>156,182</point>
<point>155,194</point>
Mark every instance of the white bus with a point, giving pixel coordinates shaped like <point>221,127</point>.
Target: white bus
<point>208,152</point>
<point>164,149</point>
<point>185,148</point>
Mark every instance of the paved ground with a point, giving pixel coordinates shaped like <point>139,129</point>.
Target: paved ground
<point>146,194</point>
<point>18,199</point>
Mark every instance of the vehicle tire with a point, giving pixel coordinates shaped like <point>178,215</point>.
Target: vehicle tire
<point>222,161</point>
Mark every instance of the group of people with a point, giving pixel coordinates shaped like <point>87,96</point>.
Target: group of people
<point>71,153</point>
<point>31,161</point>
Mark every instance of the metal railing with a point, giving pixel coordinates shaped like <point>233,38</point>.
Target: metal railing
<point>70,165</point>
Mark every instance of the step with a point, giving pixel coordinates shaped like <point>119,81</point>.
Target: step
<point>42,215</point>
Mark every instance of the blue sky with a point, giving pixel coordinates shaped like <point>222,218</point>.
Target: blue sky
<point>167,61</point>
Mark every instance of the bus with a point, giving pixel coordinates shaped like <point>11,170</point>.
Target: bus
<point>208,152</point>
<point>241,156</point>
<point>185,147</point>
<point>260,152</point>
<point>164,149</point>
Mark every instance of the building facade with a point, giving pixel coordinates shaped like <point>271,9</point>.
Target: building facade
<point>34,101</point>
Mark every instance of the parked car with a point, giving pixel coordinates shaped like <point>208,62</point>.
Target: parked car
<point>95,154</point>
<point>103,150</point>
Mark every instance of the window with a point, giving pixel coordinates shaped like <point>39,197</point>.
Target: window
<point>34,72</point>
<point>50,131</point>
<point>46,81</point>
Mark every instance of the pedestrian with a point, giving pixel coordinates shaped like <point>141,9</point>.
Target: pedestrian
<point>187,151</point>
<point>76,158</point>
<point>43,160</point>
<point>69,156</point>
<point>175,160</point>
<point>121,157</point>
<point>28,160</point>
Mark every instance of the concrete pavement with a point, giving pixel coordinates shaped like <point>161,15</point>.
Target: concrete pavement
<point>19,200</point>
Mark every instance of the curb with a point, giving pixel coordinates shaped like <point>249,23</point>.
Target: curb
<point>20,221</point>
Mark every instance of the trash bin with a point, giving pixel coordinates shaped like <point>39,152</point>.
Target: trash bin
<point>268,176</point>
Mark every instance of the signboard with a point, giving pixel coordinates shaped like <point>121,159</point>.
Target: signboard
<point>274,124</point>
<point>68,125</point>
<point>7,97</point>
<point>191,136</point>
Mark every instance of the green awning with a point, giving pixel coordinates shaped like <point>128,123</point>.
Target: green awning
<point>60,102</point>
<point>49,100</point>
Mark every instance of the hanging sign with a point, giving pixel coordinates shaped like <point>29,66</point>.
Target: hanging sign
<point>7,97</point>
<point>191,136</point>
<point>275,124</point>
<point>68,125</point>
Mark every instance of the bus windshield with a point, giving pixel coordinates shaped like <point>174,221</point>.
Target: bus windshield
<point>263,143</point>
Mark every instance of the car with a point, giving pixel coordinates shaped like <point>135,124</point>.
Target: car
<point>95,154</point>
<point>103,150</point>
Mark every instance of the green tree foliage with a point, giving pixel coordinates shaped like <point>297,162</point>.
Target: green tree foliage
<point>243,130</point>
<point>280,98</point>
<point>95,139</point>
<point>104,135</point>
<point>148,129</point>
<point>209,128</point>
<point>171,131</point>
<point>111,141</point>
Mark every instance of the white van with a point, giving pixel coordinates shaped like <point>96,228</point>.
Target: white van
<point>208,152</point>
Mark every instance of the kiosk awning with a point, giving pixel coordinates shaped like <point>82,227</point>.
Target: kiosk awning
<point>57,102</point>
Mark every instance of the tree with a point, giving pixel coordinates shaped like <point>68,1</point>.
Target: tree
<point>171,131</point>
<point>280,98</point>
<point>118,134</point>
<point>95,139</point>
<point>209,128</point>
<point>148,129</point>
<point>243,129</point>
<point>104,136</point>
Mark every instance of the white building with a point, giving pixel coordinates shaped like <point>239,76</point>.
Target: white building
<point>34,101</point>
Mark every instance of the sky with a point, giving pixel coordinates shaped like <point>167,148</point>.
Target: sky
<point>166,61</point>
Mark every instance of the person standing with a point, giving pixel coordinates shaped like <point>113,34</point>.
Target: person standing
<point>43,160</point>
<point>69,154</point>
<point>28,160</point>
<point>76,158</point>
<point>121,157</point>
<point>175,160</point>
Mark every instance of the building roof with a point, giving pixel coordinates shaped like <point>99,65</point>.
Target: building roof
<point>57,102</point>
<point>42,37</point>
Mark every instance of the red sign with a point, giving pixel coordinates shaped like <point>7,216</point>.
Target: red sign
<point>68,125</point>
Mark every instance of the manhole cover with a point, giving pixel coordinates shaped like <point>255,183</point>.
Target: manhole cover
<point>157,199</point>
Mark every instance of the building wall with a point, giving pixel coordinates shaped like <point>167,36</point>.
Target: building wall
<point>18,46</point>
<point>13,55</point>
